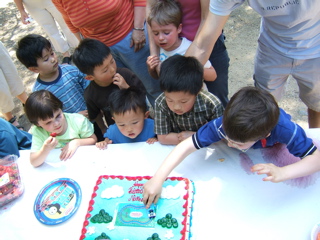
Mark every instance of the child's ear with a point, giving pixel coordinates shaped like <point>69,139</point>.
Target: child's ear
<point>89,77</point>
<point>34,69</point>
<point>180,28</point>
<point>146,115</point>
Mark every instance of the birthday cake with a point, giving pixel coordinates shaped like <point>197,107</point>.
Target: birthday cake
<point>116,211</point>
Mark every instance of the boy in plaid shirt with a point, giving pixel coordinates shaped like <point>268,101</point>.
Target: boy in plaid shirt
<point>183,107</point>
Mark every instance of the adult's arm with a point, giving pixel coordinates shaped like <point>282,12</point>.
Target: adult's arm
<point>154,49</point>
<point>138,37</point>
<point>204,14</point>
<point>23,13</point>
<point>207,36</point>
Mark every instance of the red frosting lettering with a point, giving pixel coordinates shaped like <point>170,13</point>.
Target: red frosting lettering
<point>135,191</point>
<point>135,198</point>
<point>137,184</point>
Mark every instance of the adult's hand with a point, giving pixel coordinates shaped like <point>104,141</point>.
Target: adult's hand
<point>138,40</point>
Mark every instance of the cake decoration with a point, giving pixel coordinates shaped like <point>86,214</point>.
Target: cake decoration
<point>103,236</point>
<point>116,211</point>
<point>101,217</point>
<point>133,215</point>
<point>114,192</point>
<point>169,235</point>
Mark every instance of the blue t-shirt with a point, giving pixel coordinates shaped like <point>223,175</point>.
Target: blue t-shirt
<point>286,132</point>
<point>68,87</point>
<point>116,136</point>
<point>12,139</point>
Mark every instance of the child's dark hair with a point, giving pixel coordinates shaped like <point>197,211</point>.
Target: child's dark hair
<point>165,12</point>
<point>181,74</point>
<point>90,54</point>
<point>41,105</point>
<point>130,99</point>
<point>250,115</point>
<point>30,49</point>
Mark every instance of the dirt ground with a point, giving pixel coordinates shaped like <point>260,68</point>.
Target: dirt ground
<point>241,32</point>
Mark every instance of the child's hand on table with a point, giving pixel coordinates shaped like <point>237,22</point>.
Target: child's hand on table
<point>69,149</point>
<point>103,144</point>
<point>152,140</point>
<point>274,173</point>
<point>151,191</point>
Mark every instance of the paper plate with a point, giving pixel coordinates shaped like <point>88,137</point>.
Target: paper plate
<point>57,201</point>
<point>315,231</point>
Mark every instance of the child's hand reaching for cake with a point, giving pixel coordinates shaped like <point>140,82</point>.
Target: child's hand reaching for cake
<point>152,191</point>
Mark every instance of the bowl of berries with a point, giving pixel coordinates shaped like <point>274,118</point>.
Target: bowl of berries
<point>11,186</point>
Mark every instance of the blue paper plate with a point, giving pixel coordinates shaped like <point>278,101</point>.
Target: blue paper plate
<point>57,201</point>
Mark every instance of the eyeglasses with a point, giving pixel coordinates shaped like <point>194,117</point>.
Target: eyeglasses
<point>234,144</point>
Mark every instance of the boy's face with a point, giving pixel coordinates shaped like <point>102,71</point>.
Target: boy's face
<point>103,74</point>
<point>130,123</point>
<point>57,124</point>
<point>166,36</point>
<point>242,146</point>
<point>48,63</point>
<point>180,102</point>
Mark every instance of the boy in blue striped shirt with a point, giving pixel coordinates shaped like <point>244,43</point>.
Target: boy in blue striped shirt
<point>66,82</point>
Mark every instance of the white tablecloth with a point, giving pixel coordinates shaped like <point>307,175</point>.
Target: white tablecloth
<point>229,203</point>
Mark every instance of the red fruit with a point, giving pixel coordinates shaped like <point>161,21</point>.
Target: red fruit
<point>53,134</point>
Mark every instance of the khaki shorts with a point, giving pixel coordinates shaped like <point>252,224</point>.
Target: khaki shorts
<point>10,83</point>
<point>271,71</point>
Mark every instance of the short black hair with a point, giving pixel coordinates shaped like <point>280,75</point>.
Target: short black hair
<point>181,74</point>
<point>250,115</point>
<point>30,49</point>
<point>41,105</point>
<point>90,54</point>
<point>130,99</point>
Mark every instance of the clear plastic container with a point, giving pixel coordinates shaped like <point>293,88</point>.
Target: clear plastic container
<point>11,186</point>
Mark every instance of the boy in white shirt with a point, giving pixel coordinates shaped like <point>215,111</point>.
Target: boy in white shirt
<point>165,23</point>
